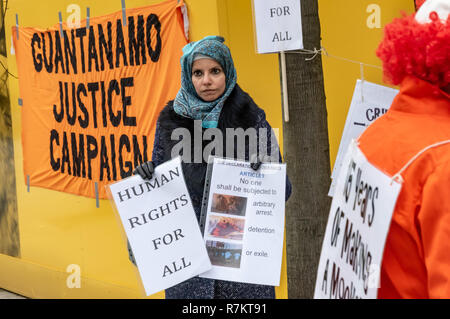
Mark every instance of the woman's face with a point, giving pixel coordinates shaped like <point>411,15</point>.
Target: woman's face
<point>208,79</point>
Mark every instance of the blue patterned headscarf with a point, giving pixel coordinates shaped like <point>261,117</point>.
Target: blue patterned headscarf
<point>187,103</point>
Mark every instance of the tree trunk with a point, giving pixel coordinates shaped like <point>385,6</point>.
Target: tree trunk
<point>9,220</point>
<point>306,152</point>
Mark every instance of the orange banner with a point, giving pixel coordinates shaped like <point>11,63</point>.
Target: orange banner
<point>91,95</point>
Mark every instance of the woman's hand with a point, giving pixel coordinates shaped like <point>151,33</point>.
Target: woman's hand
<point>145,170</point>
<point>130,253</point>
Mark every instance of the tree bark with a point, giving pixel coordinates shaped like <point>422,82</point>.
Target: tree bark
<point>9,220</point>
<point>306,152</point>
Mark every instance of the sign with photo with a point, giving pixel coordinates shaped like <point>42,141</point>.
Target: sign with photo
<point>243,218</point>
<point>358,224</point>
<point>369,102</point>
<point>160,223</point>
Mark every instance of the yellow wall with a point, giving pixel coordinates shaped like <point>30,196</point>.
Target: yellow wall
<point>58,229</point>
<point>345,34</point>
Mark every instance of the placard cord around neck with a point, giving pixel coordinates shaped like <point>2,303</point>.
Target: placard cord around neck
<point>398,177</point>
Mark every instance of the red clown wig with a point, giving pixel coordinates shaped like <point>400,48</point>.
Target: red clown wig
<point>420,50</point>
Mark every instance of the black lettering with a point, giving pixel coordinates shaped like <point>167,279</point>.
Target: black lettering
<point>66,96</point>
<point>369,262</point>
<point>104,160</point>
<point>370,116</point>
<point>137,152</point>
<point>71,54</point>
<point>71,118</point>
<point>164,179</point>
<point>115,119</point>
<point>120,45</point>
<point>126,100</point>
<point>124,141</point>
<point>358,188</point>
<point>83,122</point>
<point>113,156</point>
<point>102,89</point>
<point>139,45</point>
<point>145,219</point>
<point>65,155</point>
<point>166,270</point>
<point>336,226</point>
<point>153,216</point>
<point>48,62</point>
<point>348,180</point>
<point>103,45</point>
<point>272,12</point>
<point>80,33</point>
<point>335,274</point>
<point>347,236</point>
<point>59,116</point>
<point>377,112</point>
<point>93,87</point>
<point>286,10</point>
<point>275,38</point>
<point>58,53</point>
<point>172,173</point>
<point>174,202</point>
<point>372,216</point>
<point>133,220</point>
<point>78,159</point>
<point>127,193</point>
<point>152,20</point>
<point>92,151</point>
<point>54,137</point>
<point>152,186</point>
<point>92,51</point>
<point>134,190</point>
<point>177,233</point>
<point>365,202</point>
<point>325,277</point>
<point>184,200</point>
<point>37,59</point>
<point>165,211</point>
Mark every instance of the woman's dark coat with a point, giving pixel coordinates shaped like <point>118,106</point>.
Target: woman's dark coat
<point>239,111</point>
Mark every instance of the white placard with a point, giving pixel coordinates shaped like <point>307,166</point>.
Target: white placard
<point>359,220</point>
<point>160,223</point>
<point>244,228</point>
<point>278,25</point>
<point>369,102</point>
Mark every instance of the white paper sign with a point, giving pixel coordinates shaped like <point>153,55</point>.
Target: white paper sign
<point>278,25</point>
<point>161,226</point>
<point>369,102</point>
<point>244,227</point>
<point>357,228</point>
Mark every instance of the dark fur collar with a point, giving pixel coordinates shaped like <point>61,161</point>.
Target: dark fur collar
<point>239,111</point>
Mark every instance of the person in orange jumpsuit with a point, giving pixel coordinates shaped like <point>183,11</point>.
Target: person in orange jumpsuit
<point>416,55</point>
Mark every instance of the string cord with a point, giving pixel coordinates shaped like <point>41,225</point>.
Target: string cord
<point>323,51</point>
<point>398,177</point>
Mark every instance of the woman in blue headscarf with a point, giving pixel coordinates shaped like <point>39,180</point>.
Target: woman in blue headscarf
<point>209,95</point>
<point>208,77</point>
